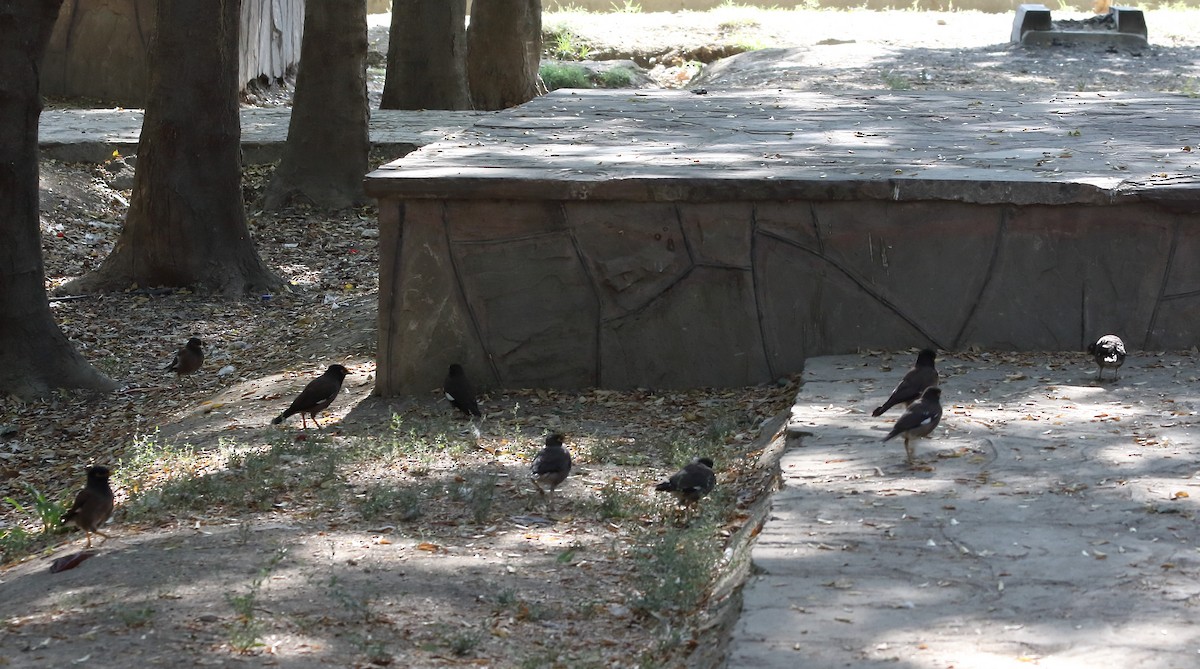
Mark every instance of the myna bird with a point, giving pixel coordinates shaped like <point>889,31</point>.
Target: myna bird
<point>187,359</point>
<point>93,505</point>
<point>459,391</point>
<point>1109,351</point>
<point>922,375</point>
<point>316,396</point>
<point>689,484</point>
<point>918,420</point>
<point>551,465</point>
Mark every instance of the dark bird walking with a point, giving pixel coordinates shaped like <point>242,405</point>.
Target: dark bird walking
<point>93,505</point>
<point>1108,351</point>
<point>187,359</point>
<point>689,484</point>
<point>918,420</point>
<point>316,396</point>
<point>922,375</point>
<point>459,391</point>
<point>550,466</point>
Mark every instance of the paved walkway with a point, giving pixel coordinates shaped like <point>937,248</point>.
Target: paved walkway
<point>91,135</point>
<point>1050,522</point>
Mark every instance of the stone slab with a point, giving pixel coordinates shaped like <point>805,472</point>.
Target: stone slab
<point>1050,522</point>
<point>91,135</point>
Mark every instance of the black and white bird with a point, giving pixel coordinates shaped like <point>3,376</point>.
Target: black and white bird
<point>1108,351</point>
<point>93,505</point>
<point>918,420</point>
<point>460,392</point>
<point>551,465</point>
<point>316,396</point>
<point>187,359</point>
<point>689,484</point>
<point>923,375</point>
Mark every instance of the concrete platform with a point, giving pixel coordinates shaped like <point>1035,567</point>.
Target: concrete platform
<point>669,239</point>
<point>91,135</point>
<point>1050,522</point>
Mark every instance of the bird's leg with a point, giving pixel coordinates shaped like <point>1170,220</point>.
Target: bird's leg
<point>908,450</point>
<point>303,422</point>
<point>89,538</point>
<point>314,417</point>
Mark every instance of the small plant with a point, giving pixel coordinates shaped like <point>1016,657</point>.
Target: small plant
<point>674,570</point>
<point>617,77</point>
<point>14,541</point>
<point>618,502</point>
<point>246,633</point>
<point>387,501</point>
<point>896,82</point>
<point>564,77</point>
<point>462,642</point>
<point>627,7</point>
<point>478,490</point>
<point>48,512</point>
<point>566,45</point>
<point>136,617</point>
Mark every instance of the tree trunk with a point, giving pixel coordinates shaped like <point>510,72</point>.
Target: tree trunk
<point>186,224</point>
<point>325,158</point>
<point>427,56</point>
<point>504,45</point>
<point>35,356</point>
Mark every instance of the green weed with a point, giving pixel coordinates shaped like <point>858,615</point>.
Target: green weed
<point>557,76</point>
<point>246,632</point>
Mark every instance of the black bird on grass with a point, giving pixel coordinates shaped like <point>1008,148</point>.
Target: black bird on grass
<point>187,359</point>
<point>93,505</point>
<point>1108,351</point>
<point>689,484</point>
<point>922,375</point>
<point>316,396</point>
<point>551,465</point>
<point>459,391</point>
<point>918,420</point>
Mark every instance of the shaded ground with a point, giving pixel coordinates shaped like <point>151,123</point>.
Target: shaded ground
<point>1050,520</point>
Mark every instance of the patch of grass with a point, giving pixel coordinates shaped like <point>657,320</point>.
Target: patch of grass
<point>627,7</point>
<point>461,642</point>
<point>618,500</point>
<point>617,77</point>
<point>674,569</point>
<point>478,491</point>
<point>46,511</point>
<point>381,501</point>
<point>246,632</point>
<point>897,82</point>
<point>558,76</point>
<point>616,451</point>
<point>135,617</point>
<point>14,542</point>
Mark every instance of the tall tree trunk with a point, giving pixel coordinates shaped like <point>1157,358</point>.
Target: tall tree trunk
<point>35,356</point>
<point>186,224</point>
<point>325,158</point>
<point>504,45</point>
<point>427,56</point>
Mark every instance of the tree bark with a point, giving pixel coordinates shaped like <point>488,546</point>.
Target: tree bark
<point>325,158</point>
<point>504,44</point>
<point>35,356</point>
<point>186,225</point>
<point>427,56</point>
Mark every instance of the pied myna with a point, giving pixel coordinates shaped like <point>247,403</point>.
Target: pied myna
<point>689,484</point>
<point>316,396</point>
<point>187,359</point>
<point>922,375</point>
<point>551,465</point>
<point>1108,351</point>
<point>459,391</point>
<point>93,505</point>
<point>918,420</point>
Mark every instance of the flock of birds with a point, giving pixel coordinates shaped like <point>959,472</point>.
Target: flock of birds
<point>551,466</point>
<point>919,391</point>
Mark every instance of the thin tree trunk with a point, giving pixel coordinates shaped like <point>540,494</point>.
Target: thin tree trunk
<point>504,44</point>
<point>186,224</point>
<point>35,356</point>
<point>427,56</point>
<point>325,158</point>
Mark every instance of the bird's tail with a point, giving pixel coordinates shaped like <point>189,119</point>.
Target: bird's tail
<point>279,419</point>
<point>665,486</point>
<point>880,410</point>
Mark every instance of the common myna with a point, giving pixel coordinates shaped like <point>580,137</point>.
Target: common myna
<point>316,396</point>
<point>918,420</point>
<point>1109,351</point>
<point>922,375</point>
<point>93,505</point>
<point>551,465</point>
<point>459,391</point>
<point>689,484</point>
<point>187,359</point>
